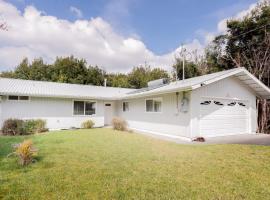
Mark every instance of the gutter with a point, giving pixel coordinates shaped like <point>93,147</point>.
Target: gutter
<point>189,88</point>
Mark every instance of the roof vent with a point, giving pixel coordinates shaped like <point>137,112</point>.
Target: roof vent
<point>158,82</point>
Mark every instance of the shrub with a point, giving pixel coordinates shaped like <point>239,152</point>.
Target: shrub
<point>119,124</point>
<point>88,124</point>
<point>12,127</point>
<point>34,126</point>
<point>25,152</point>
<point>21,127</point>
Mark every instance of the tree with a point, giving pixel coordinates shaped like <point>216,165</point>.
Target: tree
<point>191,69</point>
<point>95,76</point>
<point>247,44</point>
<point>140,76</point>
<point>118,80</point>
<point>69,70</point>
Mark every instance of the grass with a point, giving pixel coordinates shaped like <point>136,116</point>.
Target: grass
<point>106,164</point>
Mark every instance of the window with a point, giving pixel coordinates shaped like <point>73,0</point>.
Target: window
<point>90,108</point>
<point>24,98</point>
<point>125,106</point>
<point>205,102</point>
<point>232,104</point>
<point>13,98</point>
<point>153,105</point>
<point>78,108</point>
<point>218,103</point>
<point>241,104</point>
<point>17,98</point>
<point>84,108</point>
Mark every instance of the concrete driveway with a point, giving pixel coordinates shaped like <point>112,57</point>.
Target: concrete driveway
<point>255,139</point>
<point>251,139</point>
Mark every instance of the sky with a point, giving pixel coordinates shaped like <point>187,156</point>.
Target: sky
<point>113,34</point>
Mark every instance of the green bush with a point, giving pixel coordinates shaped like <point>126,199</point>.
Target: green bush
<point>88,124</point>
<point>34,126</point>
<point>23,127</point>
<point>13,127</point>
<point>119,124</point>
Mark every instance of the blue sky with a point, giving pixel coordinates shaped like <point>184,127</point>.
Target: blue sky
<point>162,25</point>
<point>155,27</point>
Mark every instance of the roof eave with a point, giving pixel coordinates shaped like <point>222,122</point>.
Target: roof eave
<point>59,96</point>
<point>134,96</point>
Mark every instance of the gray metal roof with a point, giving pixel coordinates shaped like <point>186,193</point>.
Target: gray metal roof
<point>63,90</point>
<point>193,83</point>
<point>51,89</point>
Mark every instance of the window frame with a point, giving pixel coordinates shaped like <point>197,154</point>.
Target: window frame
<point>153,105</point>
<point>124,106</point>
<point>18,100</point>
<point>85,101</point>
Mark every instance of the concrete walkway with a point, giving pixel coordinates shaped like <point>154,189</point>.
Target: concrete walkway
<point>255,139</point>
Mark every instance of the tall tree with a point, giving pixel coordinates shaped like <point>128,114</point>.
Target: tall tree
<point>118,80</point>
<point>191,69</point>
<point>139,76</point>
<point>95,76</point>
<point>247,42</point>
<point>69,70</point>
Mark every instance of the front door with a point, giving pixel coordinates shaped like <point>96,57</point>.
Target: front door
<point>108,113</point>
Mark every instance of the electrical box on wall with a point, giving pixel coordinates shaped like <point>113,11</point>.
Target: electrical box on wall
<point>184,105</point>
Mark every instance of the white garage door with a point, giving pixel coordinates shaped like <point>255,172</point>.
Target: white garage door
<point>223,117</point>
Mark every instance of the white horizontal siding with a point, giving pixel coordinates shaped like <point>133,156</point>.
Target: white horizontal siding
<point>168,121</point>
<point>229,88</point>
<point>57,112</point>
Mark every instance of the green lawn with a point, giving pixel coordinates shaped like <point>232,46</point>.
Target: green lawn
<point>105,164</point>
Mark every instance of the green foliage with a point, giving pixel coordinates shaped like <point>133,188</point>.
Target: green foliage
<point>88,124</point>
<point>73,70</point>
<point>139,76</point>
<point>74,164</point>
<point>244,38</point>
<point>118,80</point>
<point>191,69</point>
<point>34,126</point>
<point>23,127</point>
<point>13,127</point>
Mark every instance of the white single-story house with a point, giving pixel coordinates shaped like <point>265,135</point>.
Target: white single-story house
<point>217,104</point>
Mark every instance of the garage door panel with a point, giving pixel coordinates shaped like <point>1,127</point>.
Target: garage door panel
<point>223,119</point>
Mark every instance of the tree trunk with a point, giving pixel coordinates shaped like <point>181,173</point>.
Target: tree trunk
<point>263,106</point>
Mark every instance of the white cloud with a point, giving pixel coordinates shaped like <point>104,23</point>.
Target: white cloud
<point>222,24</point>
<point>34,34</point>
<point>76,11</point>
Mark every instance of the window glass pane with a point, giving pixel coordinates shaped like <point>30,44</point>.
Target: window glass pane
<point>25,98</point>
<point>90,108</point>
<point>149,105</point>
<point>157,106</point>
<point>13,97</point>
<point>125,106</point>
<point>78,108</point>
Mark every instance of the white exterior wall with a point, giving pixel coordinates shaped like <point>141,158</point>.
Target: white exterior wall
<point>167,122</point>
<point>58,113</point>
<point>227,88</point>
